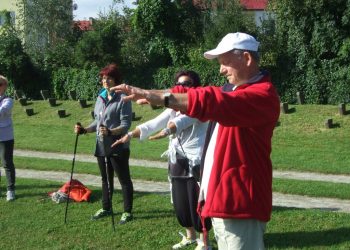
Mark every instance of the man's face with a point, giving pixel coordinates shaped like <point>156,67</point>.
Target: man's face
<point>233,66</point>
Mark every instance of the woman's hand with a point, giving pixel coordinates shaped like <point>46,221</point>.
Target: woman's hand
<point>105,131</point>
<point>126,138</point>
<point>163,133</point>
<point>78,129</point>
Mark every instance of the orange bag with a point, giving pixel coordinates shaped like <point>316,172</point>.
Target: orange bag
<point>78,192</point>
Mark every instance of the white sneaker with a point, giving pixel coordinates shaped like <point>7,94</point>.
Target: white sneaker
<point>10,195</point>
<point>184,242</point>
<point>201,246</point>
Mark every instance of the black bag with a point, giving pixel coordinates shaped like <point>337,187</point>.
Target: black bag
<point>182,169</point>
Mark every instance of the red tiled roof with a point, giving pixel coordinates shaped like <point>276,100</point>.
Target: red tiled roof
<point>83,25</point>
<point>254,4</point>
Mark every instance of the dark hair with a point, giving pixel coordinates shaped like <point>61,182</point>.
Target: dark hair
<point>112,70</point>
<point>196,82</point>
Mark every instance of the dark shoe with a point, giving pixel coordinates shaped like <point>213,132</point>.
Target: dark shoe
<point>100,214</point>
<point>126,217</point>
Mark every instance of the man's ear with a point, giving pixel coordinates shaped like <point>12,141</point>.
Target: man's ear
<point>248,58</point>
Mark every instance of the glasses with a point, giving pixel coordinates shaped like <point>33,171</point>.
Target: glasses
<point>184,83</point>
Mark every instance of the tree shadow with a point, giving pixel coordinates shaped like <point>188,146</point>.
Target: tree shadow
<point>56,104</point>
<point>64,116</point>
<point>303,239</point>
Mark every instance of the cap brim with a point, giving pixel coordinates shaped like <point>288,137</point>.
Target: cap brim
<point>214,53</point>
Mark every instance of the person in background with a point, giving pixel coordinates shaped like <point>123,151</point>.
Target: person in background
<point>112,120</point>
<point>236,186</point>
<point>7,139</point>
<point>186,139</point>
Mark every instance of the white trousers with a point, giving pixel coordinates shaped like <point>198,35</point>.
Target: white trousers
<point>242,234</point>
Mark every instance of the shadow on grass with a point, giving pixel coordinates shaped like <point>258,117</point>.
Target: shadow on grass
<point>302,239</point>
<point>305,239</point>
<point>56,104</point>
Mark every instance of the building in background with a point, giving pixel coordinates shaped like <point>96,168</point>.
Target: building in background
<point>7,6</point>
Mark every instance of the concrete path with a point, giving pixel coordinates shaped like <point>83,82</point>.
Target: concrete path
<point>84,158</point>
<point>282,200</point>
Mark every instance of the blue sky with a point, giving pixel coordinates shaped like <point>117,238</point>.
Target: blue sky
<point>91,8</point>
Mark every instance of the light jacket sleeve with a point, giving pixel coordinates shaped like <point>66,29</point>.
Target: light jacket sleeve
<point>154,125</point>
<point>182,122</point>
<point>6,106</point>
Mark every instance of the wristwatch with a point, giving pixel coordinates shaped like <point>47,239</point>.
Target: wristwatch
<point>166,97</point>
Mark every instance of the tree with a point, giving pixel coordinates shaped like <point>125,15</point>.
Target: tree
<point>45,24</point>
<point>224,17</point>
<point>101,45</point>
<point>160,35</point>
<point>311,45</point>
<point>15,64</point>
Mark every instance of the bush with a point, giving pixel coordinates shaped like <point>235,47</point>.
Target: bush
<point>84,81</point>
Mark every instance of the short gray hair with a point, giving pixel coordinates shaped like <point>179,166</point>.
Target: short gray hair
<point>254,54</point>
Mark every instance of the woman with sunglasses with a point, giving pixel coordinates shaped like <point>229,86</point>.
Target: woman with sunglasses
<point>7,138</point>
<point>186,140</point>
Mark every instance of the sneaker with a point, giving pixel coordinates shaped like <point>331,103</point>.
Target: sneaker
<point>126,217</point>
<point>10,195</point>
<point>100,214</point>
<point>184,242</point>
<point>201,246</point>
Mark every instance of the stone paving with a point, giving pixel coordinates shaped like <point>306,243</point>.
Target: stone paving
<point>282,200</point>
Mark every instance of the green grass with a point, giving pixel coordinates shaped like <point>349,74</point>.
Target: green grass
<point>310,188</point>
<point>45,131</point>
<point>301,142</point>
<point>33,221</point>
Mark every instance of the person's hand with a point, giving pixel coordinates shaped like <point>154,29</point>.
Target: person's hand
<point>133,93</point>
<point>104,130</point>
<point>163,133</point>
<point>142,101</point>
<point>126,138</point>
<point>78,129</point>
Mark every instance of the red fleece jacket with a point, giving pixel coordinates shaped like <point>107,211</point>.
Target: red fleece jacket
<point>240,184</point>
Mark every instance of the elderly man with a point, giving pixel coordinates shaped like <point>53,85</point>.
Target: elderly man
<point>236,186</point>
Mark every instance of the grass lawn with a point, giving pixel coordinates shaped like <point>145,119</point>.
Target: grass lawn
<point>309,188</point>
<point>33,221</point>
<point>301,142</point>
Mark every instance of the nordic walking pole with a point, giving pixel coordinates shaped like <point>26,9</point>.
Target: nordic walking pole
<point>110,188</point>
<point>71,173</point>
<point>110,191</point>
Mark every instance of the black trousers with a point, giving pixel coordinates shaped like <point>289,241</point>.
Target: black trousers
<point>6,155</point>
<point>120,165</point>
<point>185,199</point>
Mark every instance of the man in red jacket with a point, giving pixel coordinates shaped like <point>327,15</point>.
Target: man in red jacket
<point>236,186</point>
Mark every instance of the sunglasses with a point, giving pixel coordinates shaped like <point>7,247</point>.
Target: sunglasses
<point>184,83</point>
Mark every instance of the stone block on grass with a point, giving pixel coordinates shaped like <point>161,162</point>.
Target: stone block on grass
<point>61,113</point>
<point>29,112</point>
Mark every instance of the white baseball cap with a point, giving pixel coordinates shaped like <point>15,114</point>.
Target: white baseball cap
<point>232,41</point>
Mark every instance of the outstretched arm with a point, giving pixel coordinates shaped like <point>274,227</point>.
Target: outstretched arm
<point>154,97</point>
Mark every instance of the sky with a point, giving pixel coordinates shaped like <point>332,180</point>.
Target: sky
<point>91,8</point>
